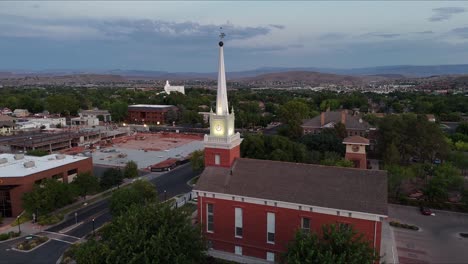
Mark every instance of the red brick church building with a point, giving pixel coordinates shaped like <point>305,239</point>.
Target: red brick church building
<point>254,207</point>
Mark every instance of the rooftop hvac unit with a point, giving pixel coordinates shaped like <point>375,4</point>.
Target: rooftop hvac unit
<point>3,160</point>
<point>19,156</point>
<point>29,164</point>
<point>60,156</point>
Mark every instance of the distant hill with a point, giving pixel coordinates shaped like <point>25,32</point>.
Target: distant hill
<point>303,77</point>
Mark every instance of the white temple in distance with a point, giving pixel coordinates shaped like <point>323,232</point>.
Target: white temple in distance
<point>168,88</point>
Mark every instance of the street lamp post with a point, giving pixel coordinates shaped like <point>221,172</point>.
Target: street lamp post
<point>76,218</point>
<point>165,195</point>
<point>19,224</point>
<point>93,228</point>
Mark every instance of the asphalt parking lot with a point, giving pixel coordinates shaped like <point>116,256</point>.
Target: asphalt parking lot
<point>438,239</point>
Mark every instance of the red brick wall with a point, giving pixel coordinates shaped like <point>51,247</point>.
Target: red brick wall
<point>227,156</point>
<point>255,221</point>
<point>25,184</point>
<point>358,157</point>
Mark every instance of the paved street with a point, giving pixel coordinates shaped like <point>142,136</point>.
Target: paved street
<point>68,232</point>
<point>437,241</point>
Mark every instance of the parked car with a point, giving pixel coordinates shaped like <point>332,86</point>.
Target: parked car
<point>426,211</point>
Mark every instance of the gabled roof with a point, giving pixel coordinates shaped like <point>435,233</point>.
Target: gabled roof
<point>356,140</point>
<point>325,186</point>
<point>352,122</point>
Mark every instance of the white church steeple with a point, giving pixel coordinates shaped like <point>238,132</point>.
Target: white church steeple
<point>222,107</point>
<point>222,145</point>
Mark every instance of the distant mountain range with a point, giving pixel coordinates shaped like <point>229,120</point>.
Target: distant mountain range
<point>397,71</point>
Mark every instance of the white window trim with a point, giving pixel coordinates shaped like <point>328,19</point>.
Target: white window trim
<point>217,159</point>
<point>302,223</point>
<point>294,206</point>
<point>207,221</point>
<point>238,250</point>
<point>238,221</point>
<point>270,259</point>
<point>271,226</point>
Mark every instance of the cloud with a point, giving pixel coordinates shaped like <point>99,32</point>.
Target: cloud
<point>460,32</point>
<point>426,32</point>
<point>445,13</point>
<point>381,35</point>
<point>277,26</point>
<point>332,36</point>
<point>155,31</point>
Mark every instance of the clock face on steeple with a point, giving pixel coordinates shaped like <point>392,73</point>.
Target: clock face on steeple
<point>218,127</point>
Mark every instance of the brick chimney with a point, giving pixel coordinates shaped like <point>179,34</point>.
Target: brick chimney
<point>344,113</point>
<point>322,118</point>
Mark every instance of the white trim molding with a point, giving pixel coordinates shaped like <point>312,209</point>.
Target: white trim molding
<point>293,206</point>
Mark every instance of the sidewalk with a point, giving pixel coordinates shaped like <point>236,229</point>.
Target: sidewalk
<point>388,246</point>
<point>27,228</point>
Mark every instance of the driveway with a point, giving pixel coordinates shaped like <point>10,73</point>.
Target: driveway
<point>437,241</point>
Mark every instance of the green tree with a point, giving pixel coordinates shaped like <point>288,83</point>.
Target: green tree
<point>198,160</point>
<point>446,178</point>
<point>37,152</point>
<point>331,104</point>
<point>291,114</point>
<point>47,196</point>
<point>110,178</point>
<point>131,170</point>
<point>62,104</point>
<point>462,128</point>
<point>85,183</point>
<point>325,141</point>
<point>146,234</point>
<point>397,176</point>
<point>336,245</point>
<point>118,111</point>
<point>391,155</point>
<point>140,193</point>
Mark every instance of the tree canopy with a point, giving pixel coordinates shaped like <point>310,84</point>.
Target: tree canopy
<point>86,183</point>
<point>145,234</point>
<point>131,170</point>
<point>335,245</point>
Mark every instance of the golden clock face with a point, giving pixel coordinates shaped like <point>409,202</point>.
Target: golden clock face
<point>355,148</point>
<point>218,127</point>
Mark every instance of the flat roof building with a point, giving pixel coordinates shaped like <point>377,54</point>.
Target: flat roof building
<point>149,114</point>
<point>19,173</point>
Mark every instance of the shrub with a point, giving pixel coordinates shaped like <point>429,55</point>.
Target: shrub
<point>9,235</point>
<point>50,219</point>
<point>4,236</point>
<point>398,224</point>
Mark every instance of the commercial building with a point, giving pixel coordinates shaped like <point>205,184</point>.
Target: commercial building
<point>149,114</point>
<point>254,207</point>
<point>21,113</point>
<point>19,173</point>
<point>96,113</point>
<point>7,125</point>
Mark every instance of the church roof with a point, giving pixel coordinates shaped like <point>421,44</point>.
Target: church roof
<point>356,140</point>
<point>325,186</point>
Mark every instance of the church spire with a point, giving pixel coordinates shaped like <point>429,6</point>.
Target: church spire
<point>221,99</point>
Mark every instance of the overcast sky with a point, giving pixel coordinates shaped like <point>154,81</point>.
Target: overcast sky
<point>181,36</point>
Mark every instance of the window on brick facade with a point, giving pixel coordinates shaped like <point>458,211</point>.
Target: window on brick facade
<point>238,250</point>
<point>271,228</point>
<point>344,226</point>
<point>217,159</point>
<point>210,217</point>
<point>305,224</point>
<point>238,223</point>
<point>270,256</point>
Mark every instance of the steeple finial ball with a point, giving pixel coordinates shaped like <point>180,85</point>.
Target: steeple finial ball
<point>220,43</point>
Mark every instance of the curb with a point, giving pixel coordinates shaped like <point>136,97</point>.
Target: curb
<point>27,251</point>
